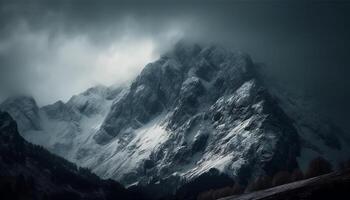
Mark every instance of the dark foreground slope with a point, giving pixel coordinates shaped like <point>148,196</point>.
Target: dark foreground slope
<point>335,185</point>
<point>30,172</point>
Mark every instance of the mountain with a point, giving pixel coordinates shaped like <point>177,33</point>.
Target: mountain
<point>62,127</point>
<point>194,109</point>
<point>30,172</point>
<point>25,110</point>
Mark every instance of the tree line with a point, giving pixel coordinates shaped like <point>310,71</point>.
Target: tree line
<point>318,166</point>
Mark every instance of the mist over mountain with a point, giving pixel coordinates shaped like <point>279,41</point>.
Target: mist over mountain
<point>171,99</point>
<point>195,109</point>
<point>48,45</point>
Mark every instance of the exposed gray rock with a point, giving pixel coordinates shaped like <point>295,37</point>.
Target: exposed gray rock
<point>215,114</point>
<point>194,109</point>
<point>25,110</point>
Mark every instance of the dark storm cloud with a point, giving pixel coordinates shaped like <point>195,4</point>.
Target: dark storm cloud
<point>303,43</point>
<point>69,46</point>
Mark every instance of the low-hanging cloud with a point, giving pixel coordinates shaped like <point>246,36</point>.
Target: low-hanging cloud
<point>54,49</point>
<point>68,65</point>
<point>52,60</point>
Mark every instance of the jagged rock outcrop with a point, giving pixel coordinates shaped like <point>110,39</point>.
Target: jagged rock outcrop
<point>211,112</point>
<point>61,127</point>
<point>194,109</point>
<point>24,109</point>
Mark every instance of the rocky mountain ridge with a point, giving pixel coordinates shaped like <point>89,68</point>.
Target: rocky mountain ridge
<point>194,109</point>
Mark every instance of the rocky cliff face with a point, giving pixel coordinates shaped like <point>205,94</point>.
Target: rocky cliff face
<point>61,127</point>
<point>194,109</point>
<point>205,110</point>
<point>25,110</point>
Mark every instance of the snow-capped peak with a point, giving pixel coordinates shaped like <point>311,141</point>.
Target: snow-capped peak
<point>194,109</point>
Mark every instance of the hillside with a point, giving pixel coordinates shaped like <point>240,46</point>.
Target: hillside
<point>330,186</point>
<point>30,172</point>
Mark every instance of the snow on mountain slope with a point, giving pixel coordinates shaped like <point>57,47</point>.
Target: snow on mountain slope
<point>212,113</point>
<point>64,127</point>
<point>30,172</point>
<point>25,110</point>
<point>127,155</point>
<point>193,109</point>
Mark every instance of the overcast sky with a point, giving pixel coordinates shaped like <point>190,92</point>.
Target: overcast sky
<point>54,49</point>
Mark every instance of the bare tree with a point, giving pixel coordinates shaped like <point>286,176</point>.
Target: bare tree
<point>297,175</point>
<point>281,178</point>
<point>317,167</point>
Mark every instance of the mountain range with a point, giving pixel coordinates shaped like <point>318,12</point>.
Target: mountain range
<point>195,109</point>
